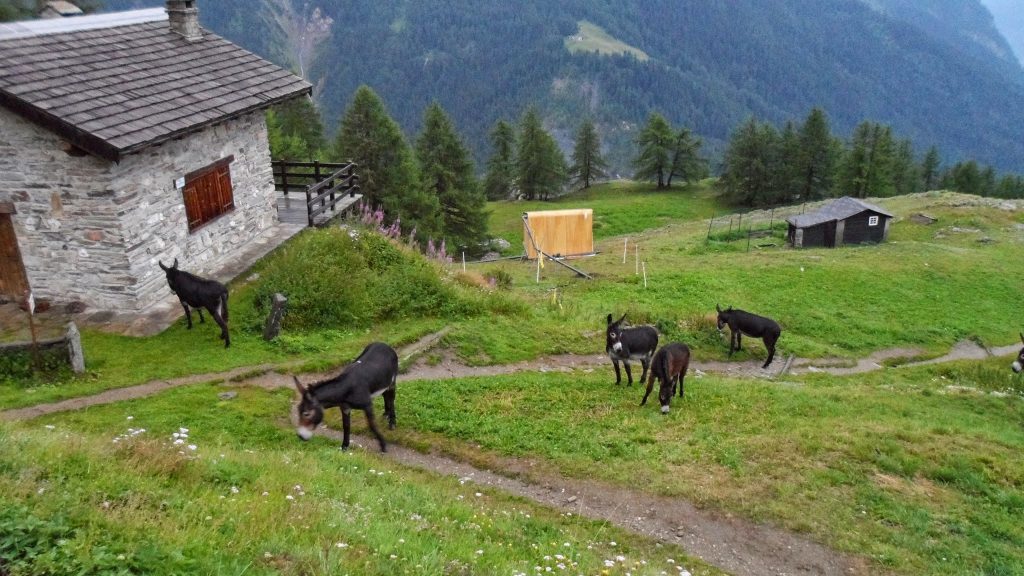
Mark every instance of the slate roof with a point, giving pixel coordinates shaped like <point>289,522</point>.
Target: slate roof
<point>841,209</point>
<point>114,84</point>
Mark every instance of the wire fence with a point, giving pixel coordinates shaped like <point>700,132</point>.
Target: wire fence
<point>754,227</point>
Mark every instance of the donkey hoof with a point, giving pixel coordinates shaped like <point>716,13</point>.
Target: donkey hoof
<point>664,409</point>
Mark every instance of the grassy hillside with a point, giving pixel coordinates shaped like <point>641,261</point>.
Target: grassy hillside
<point>592,38</point>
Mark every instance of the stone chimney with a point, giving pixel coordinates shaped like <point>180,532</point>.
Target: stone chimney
<point>184,18</point>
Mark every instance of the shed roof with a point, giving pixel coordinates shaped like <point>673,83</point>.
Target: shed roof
<point>63,8</point>
<point>113,84</point>
<point>841,209</point>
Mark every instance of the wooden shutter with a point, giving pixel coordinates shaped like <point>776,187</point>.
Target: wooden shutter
<point>208,193</point>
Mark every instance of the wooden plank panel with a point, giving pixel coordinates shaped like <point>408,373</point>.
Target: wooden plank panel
<point>13,281</point>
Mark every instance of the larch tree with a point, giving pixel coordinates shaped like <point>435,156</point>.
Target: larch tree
<point>499,183</point>
<point>387,170</point>
<point>687,163</point>
<point>587,162</point>
<point>541,171</point>
<point>747,172</point>
<point>931,167</point>
<point>656,143</point>
<point>815,163</point>
<point>447,173</point>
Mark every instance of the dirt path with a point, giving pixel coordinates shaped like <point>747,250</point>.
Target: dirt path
<point>733,544</point>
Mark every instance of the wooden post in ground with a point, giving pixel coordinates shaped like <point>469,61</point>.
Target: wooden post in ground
<point>30,307</point>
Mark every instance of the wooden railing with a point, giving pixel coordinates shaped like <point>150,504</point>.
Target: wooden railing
<point>325,184</point>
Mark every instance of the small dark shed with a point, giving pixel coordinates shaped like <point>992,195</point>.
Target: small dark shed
<point>845,221</point>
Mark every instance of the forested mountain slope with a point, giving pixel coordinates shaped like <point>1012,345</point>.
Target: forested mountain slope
<point>936,70</point>
<point>1009,19</point>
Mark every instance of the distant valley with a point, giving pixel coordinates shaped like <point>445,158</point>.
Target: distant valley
<point>937,71</point>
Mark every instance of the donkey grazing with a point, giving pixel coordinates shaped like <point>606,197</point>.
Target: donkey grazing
<point>752,325</point>
<point>1018,364</point>
<point>200,293</point>
<point>669,366</point>
<point>625,344</point>
<point>372,374</point>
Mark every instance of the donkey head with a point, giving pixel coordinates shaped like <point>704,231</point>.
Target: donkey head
<point>723,316</point>
<point>1018,364</point>
<point>614,334</point>
<point>311,413</point>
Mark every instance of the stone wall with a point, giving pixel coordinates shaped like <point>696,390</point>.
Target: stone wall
<point>154,222</point>
<point>91,230</point>
<point>67,220</point>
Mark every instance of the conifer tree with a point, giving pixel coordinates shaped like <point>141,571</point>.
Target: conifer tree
<point>930,169</point>
<point>867,168</point>
<point>501,166</point>
<point>787,180</point>
<point>905,176</point>
<point>541,171</point>
<point>656,143</point>
<point>815,163</point>
<point>747,178</point>
<point>387,170</point>
<point>295,131</point>
<point>687,162</point>
<point>447,173</point>
<point>587,162</point>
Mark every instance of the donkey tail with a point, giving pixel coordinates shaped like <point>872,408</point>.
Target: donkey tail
<point>224,304</point>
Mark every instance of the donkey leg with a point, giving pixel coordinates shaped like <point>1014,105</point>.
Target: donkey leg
<point>629,373</point>
<point>646,364</point>
<point>770,344</point>
<point>223,328</point>
<point>732,342</point>
<point>346,427</point>
<point>389,406</point>
<point>647,392</point>
<point>618,375</point>
<point>372,423</point>
<point>201,319</point>
<point>188,314</point>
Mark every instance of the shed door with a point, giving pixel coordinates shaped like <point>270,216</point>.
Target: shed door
<point>13,282</point>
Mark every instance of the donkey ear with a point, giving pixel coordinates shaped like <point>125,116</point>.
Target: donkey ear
<point>717,307</point>
<point>162,267</point>
<point>609,319</point>
<point>621,319</point>
<point>299,386</point>
<point>175,265</point>
<point>1022,336</point>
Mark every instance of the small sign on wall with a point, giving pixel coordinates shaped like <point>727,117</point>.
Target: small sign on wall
<point>179,183</point>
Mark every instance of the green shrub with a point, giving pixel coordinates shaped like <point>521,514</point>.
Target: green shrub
<point>345,278</point>
<point>501,278</point>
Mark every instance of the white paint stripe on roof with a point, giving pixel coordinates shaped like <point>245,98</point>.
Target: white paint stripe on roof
<point>27,28</point>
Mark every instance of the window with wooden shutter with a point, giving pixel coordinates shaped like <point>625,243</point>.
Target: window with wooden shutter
<point>207,193</point>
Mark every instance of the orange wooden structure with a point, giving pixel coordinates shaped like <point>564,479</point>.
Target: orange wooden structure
<point>559,233</point>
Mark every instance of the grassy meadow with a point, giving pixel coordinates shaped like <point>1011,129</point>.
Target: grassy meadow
<point>186,483</point>
<point>917,470</point>
<point>593,38</point>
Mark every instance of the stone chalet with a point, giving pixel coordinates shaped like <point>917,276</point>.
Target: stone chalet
<point>125,139</point>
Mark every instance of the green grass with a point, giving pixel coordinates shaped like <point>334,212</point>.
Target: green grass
<point>917,469</point>
<point>87,493</point>
<point>592,38</point>
<point>927,287</point>
<point>620,207</point>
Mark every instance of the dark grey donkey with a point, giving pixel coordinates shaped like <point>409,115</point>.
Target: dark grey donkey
<point>752,325</point>
<point>200,293</point>
<point>625,344</point>
<point>372,374</point>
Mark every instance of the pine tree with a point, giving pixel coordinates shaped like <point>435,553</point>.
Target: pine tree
<point>787,175</point>
<point>388,175</point>
<point>867,169</point>
<point>656,143</point>
<point>988,181</point>
<point>499,183</point>
<point>687,162</point>
<point>447,174</point>
<point>905,176</point>
<point>295,131</point>
<point>587,162</point>
<point>747,176</point>
<point>930,169</point>
<point>815,164</point>
<point>540,166</point>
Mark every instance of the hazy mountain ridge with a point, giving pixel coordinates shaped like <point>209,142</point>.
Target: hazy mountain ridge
<point>711,66</point>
